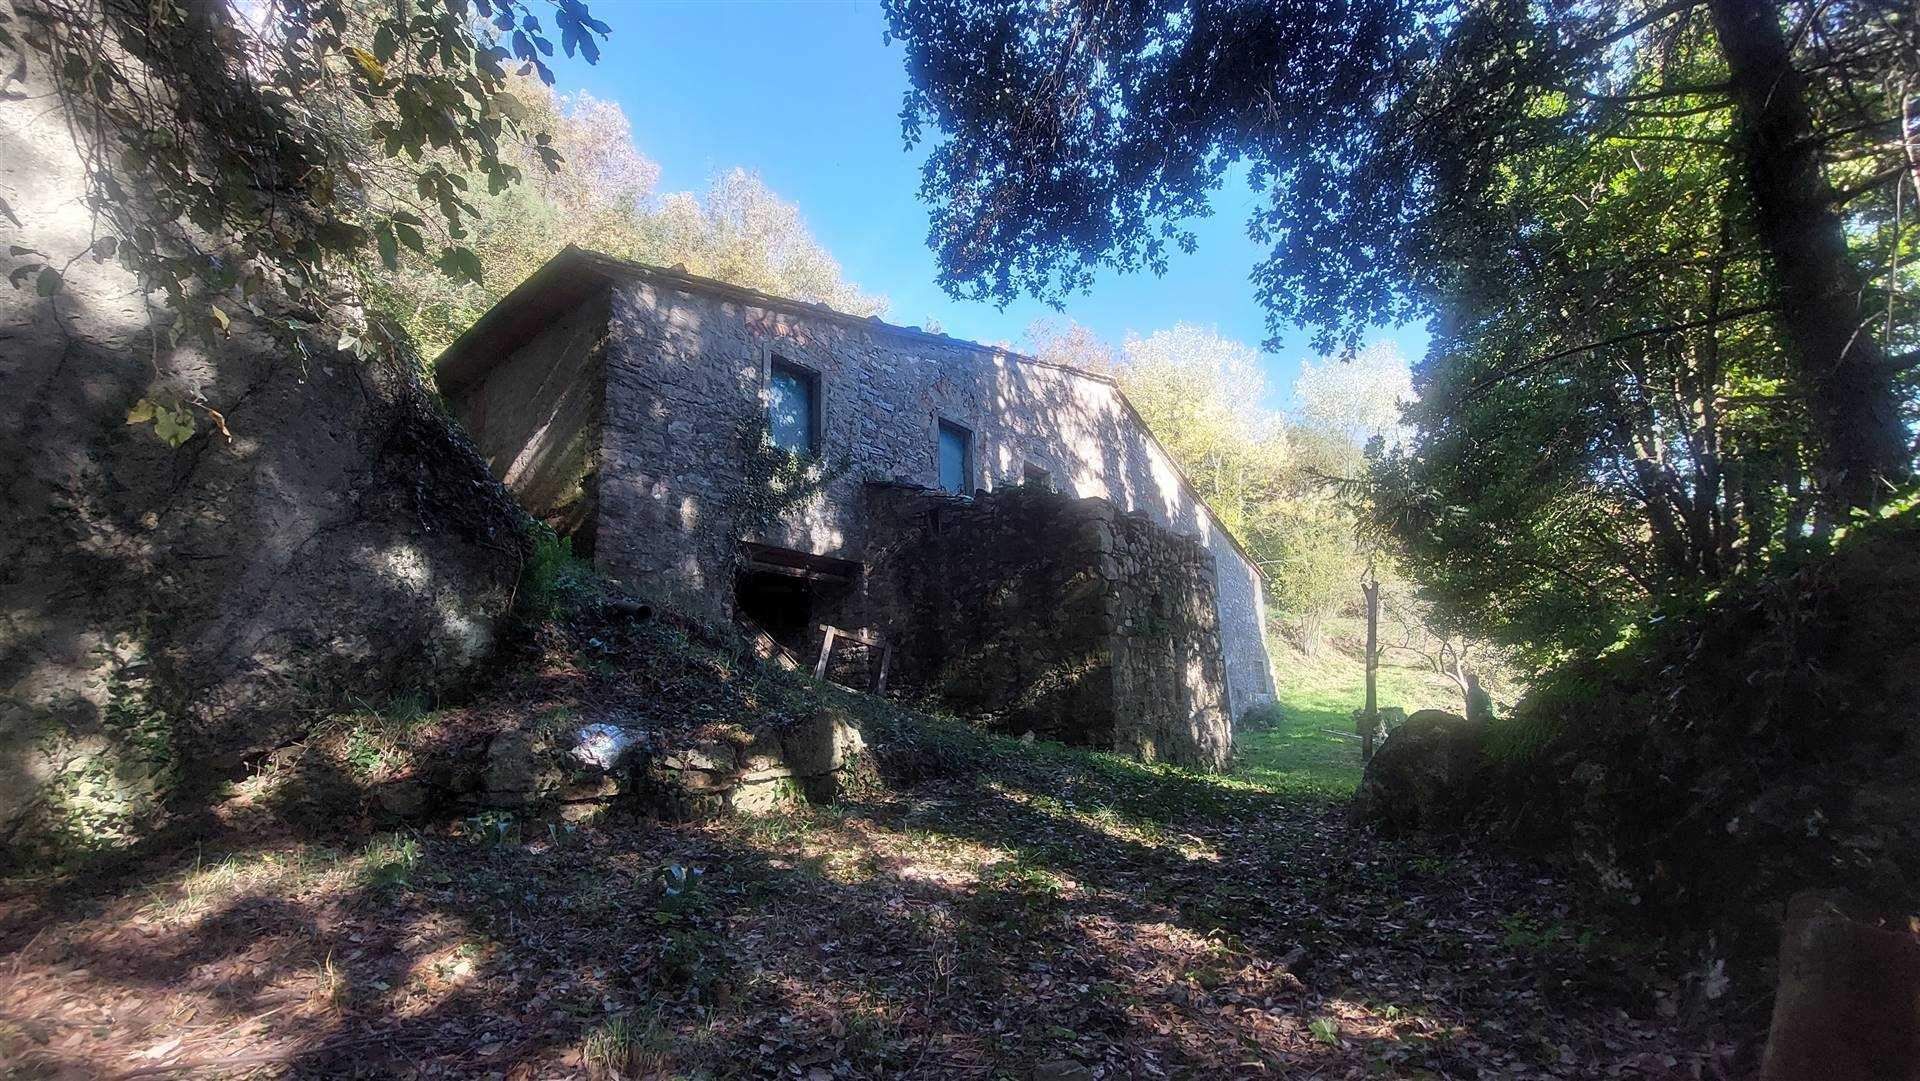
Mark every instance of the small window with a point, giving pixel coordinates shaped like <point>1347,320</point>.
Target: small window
<point>1035,476</point>
<point>793,409</point>
<point>956,458</point>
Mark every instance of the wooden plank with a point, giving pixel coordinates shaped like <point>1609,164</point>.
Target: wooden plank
<point>862,635</point>
<point>826,650</point>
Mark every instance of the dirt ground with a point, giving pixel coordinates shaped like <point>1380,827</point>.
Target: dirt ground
<point>1058,916</point>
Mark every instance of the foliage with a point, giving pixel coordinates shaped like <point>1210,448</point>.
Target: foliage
<point>775,481</point>
<point>1360,397</point>
<point>1729,754</point>
<point>605,199</point>
<point>1201,394</point>
<point>375,742</point>
<point>1065,342</point>
<point>246,159</point>
<point>108,786</point>
<point>554,580</point>
<point>1271,481</point>
<point>1667,247</point>
<point>1319,566</point>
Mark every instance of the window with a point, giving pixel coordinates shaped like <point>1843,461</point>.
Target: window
<point>1036,476</point>
<point>956,458</point>
<point>793,409</point>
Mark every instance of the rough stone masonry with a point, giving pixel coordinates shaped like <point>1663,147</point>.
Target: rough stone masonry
<point>620,402</point>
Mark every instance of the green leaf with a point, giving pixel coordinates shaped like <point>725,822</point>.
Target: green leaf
<point>389,246</point>
<point>142,411</point>
<point>173,426</point>
<point>48,283</point>
<point>461,264</point>
<point>385,45</point>
<point>409,236</point>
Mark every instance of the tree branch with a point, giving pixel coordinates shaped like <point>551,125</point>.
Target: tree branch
<point>1537,363</point>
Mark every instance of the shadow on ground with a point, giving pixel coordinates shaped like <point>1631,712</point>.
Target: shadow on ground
<point>1053,915</point>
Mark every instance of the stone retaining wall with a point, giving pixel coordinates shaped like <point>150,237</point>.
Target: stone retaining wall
<point>1053,615</point>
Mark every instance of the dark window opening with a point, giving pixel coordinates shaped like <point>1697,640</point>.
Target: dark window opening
<point>956,458</point>
<point>793,409</point>
<point>1034,476</point>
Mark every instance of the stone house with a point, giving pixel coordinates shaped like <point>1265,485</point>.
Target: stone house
<point>1008,528</point>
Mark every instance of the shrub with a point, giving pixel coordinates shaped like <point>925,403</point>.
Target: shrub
<point>554,580</point>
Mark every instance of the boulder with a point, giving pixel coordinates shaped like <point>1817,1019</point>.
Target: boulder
<point>169,613</point>
<point>607,747</point>
<point>1426,778</point>
<point>1848,1004</point>
<point>512,769</point>
<point>823,743</point>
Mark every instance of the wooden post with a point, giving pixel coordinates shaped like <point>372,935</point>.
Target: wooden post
<point>886,658</point>
<point>826,650</point>
<point>1370,589</point>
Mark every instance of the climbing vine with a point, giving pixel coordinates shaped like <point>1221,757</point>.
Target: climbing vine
<point>775,480</point>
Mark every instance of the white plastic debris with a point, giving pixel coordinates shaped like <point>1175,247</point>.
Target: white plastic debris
<point>603,745</point>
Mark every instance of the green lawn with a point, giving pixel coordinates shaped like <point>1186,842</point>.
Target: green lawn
<point>1311,749</point>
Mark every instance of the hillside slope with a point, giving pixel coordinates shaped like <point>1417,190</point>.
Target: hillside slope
<point>1310,744</point>
<point>976,908</point>
<point>1765,743</point>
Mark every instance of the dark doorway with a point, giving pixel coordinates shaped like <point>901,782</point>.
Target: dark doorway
<point>779,604</point>
<point>788,594</point>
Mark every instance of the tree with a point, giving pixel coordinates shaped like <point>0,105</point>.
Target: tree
<point>1063,341</point>
<point>238,157</point>
<point>1552,503</point>
<point>1083,135</point>
<point>1201,394</point>
<point>605,199</point>
<point>742,232</point>
<point>1361,397</point>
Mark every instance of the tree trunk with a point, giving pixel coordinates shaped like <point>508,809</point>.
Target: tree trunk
<point>1843,371</point>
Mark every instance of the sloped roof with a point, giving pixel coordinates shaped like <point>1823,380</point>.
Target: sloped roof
<point>570,277</point>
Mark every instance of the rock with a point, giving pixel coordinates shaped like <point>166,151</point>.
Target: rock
<point>1848,1003</point>
<point>402,799</point>
<point>342,539</point>
<point>762,798</point>
<point>821,744</point>
<point>511,769</point>
<point>1426,778</point>
<point>764,759</point>
<point>709,757</point>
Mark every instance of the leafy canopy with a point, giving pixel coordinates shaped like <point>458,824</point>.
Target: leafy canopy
<point>248,158</point>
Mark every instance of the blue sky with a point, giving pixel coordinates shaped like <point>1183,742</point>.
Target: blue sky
<point>808,96</point>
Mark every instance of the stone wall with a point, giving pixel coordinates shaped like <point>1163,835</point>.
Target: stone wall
<point>1169,668</point>
<point>536,419</point>
<point>686,370</point>
<point>1048,614</point>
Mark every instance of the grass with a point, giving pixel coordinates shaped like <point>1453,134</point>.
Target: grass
<point>1308,748</point>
